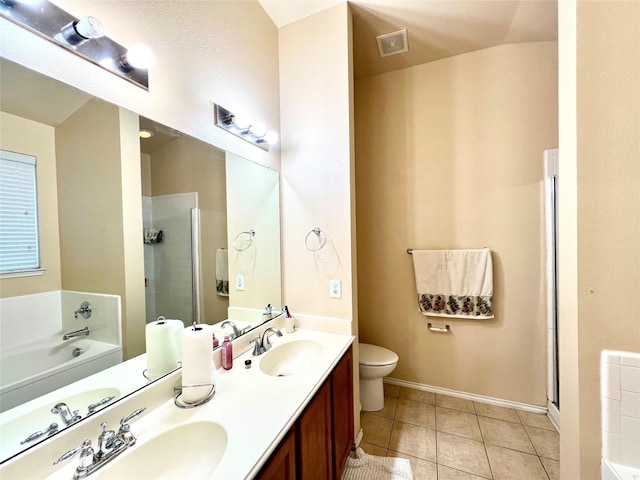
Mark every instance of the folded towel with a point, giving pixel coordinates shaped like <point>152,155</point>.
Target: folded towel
<point>454,283</point>
<point>222,272</point>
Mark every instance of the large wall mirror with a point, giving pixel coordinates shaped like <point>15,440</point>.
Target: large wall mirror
<point>130,229</point>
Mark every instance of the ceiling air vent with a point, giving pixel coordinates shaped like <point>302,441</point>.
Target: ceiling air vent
<point>392,43</point>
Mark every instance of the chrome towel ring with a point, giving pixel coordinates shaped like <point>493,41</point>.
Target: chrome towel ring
<point>322,239</point>
<point>248,240</point>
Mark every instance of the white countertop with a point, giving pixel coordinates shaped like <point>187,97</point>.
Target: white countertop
<point>256,410</point>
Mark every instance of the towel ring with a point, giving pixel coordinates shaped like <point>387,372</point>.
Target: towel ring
<point>251,233</point>
<point>319,232</point>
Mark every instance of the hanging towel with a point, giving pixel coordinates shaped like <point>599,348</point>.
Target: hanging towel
<point>222,272</point>
<point>454,283</point>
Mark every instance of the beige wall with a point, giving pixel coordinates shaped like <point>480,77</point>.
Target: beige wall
<point>253,198</point>
<point>601,270</point>
<point>32,138</point>
<point>100,210</point>
<point>187,165</point>
<point>449,155</point>
<point>316,107</point>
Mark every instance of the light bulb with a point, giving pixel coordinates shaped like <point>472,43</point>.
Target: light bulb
<point>79,31</point>
<point>271,137</point>
<point>258,129</point>
<point>241,122</point>
<point>139,56</point>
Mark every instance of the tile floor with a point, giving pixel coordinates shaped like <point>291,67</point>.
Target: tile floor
<point>448,438</point>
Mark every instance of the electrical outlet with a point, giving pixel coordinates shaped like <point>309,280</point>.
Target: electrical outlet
<point>335,288</point>
<point>239,282</point>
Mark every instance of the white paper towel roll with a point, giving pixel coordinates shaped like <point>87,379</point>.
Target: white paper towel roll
<point>197,363</point>
<point>163,339</point>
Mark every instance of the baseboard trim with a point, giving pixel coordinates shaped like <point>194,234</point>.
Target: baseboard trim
<point>468,396</point>
<point>554,414</point>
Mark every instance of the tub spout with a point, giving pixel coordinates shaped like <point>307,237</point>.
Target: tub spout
<point>76,333</point>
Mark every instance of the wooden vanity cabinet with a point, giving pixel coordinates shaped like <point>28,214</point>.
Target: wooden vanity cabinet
<point>323,434</point>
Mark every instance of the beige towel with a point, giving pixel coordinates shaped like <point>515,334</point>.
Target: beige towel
<point>454,283</point>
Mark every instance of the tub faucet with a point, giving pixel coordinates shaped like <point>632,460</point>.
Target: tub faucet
<point>68,417</point>
<point>76,333</point>
<point>262,344</point>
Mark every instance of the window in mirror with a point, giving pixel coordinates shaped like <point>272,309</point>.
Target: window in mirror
<point>19,242</point>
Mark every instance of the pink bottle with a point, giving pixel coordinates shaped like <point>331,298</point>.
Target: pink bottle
<point>227,353</point>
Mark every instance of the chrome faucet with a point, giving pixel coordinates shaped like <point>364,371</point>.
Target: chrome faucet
<point>236,332</point>
<point>76,333</point>
<point>110,445</point>
<point>262,344</point>
<point>66,415</point>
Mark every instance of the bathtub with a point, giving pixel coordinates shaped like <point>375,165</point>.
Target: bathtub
<point>613,471</point>
<point>39,368</point>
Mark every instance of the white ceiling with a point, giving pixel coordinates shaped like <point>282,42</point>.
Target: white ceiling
<point>436,28</point>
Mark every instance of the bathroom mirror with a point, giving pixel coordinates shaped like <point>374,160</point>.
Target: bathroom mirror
<point>95,236</point>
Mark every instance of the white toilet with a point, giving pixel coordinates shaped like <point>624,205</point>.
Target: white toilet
<point>375,363</point>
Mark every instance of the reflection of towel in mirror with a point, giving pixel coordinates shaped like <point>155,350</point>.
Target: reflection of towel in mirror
<point>454,283</point>
<point>222,272</point>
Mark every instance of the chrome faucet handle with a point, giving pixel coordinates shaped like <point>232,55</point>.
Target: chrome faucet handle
<point>124,432</point>
<point>86,455</point>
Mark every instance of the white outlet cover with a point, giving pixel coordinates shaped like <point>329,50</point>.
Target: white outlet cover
<point>335,288</point>
<point>240,282</point>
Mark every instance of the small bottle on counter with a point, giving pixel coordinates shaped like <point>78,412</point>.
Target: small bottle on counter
<point>216,342</point>
<point>227,353</point>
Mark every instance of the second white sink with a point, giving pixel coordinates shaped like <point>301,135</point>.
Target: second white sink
<point>290,358</point>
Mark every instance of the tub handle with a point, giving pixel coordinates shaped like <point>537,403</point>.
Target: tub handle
<point>446,328</point>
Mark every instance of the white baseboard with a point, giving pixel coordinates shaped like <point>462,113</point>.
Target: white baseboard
<point>468,396</point>
<point>554,414</point>
<point>359,437</point>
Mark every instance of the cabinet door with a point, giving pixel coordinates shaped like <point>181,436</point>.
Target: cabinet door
<point>282,464</point>
<point>313,430</point>
<point>342,412</point>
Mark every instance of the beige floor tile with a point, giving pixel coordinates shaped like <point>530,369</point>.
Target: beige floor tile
<point>463,454</point>
<point>546,442</point>
<point>372,449</point>
<point>457,423</point>
<point>493,411</point>
<point>391,390</point>
<point>413,440</point>
<point>377,430</point>
<point>507,464</point>
<point>505,434</point>
<point>539,420</point>
<point>455,403</point>
<point>418,395</point>
<point>552,467</point>
<point>389,409</point>
<point>446,473</point>
<point>417,413</point>
<point>421,469</point>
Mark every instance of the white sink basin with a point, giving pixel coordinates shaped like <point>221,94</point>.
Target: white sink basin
<point>290,358</point>
<point>190,450</point>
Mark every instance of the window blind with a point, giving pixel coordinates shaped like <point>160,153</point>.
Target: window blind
<point>19,243</point>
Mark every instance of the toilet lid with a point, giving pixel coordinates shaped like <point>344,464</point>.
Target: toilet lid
<point>375,355</point>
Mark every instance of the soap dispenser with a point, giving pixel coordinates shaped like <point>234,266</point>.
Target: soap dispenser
<point>227,353</point>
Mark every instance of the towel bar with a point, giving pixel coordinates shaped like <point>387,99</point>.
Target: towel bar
<point>446,329</point>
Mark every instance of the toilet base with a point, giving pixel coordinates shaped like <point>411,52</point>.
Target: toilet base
<point>371,394</point>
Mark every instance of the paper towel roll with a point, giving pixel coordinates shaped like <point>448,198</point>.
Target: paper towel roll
<point>197,363</point>
<point>163,339</point>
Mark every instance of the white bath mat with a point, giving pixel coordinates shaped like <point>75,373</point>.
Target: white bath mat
<point>371,467</point>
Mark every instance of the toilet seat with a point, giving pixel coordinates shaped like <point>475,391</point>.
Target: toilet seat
<point>376,356</point>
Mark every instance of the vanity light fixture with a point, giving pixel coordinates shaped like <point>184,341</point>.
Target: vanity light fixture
<point>84,37</point>
<point>253,132</point>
